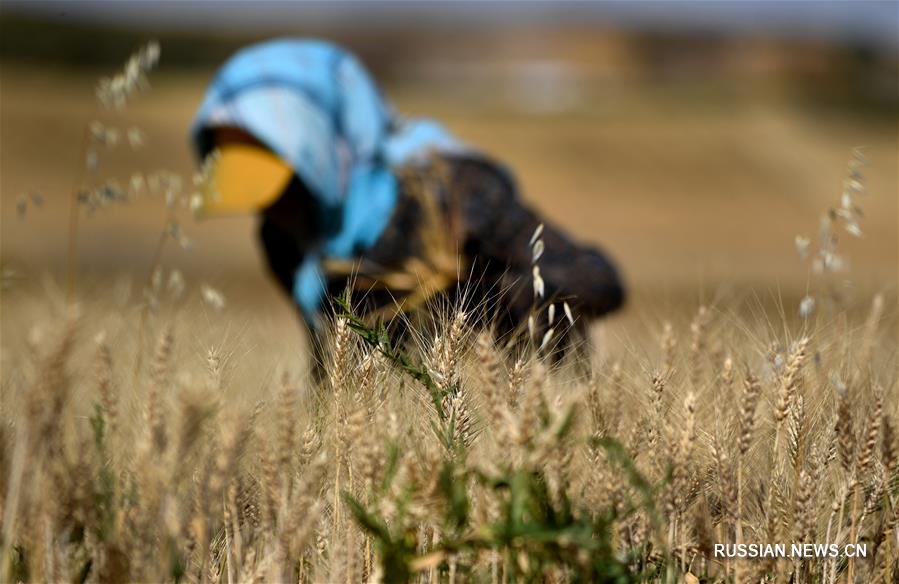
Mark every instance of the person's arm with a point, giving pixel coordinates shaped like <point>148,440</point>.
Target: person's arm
<point>289,229</point>
<point>281,253</point>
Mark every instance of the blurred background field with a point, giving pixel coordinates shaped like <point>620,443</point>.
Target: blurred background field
<point>693,141</point>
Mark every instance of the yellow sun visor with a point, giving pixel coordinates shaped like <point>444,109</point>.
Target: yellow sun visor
<point>241,179</point>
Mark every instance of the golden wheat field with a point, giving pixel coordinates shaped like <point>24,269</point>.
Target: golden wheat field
<point>158,423</point>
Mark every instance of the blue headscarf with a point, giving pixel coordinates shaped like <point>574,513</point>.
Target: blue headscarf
<point>315,106</point>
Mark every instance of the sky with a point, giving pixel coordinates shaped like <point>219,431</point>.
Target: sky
<point>873,23</point>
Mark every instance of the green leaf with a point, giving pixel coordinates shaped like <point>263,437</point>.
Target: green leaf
<point>395,553</point>
<point>379,339</point>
